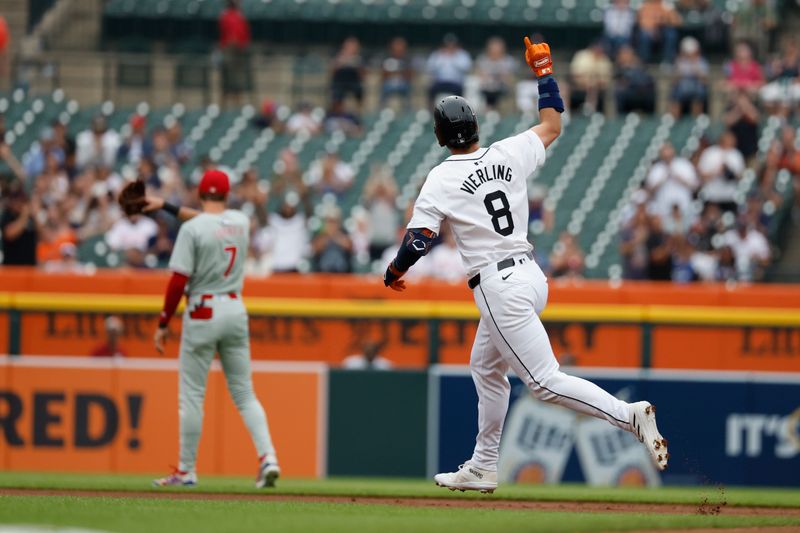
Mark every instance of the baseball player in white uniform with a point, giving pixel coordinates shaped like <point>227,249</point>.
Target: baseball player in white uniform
<point>482,193</point>
<point>207,265</point>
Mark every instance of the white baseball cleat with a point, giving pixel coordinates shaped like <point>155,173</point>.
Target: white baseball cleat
<point>468,477</point>
<point>643,425</point>
<point>268,472</point>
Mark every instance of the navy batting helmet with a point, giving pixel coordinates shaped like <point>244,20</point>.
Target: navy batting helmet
<point>455,123</point>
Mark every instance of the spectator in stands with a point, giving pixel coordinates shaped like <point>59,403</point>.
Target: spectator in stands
<point>234,43</point>
<point>690,80</point>
<point>444,261</point>
<point>720,167</point>
<point>618,23</point>
<point>782,93</point>
<point>682,267</point>
<point>705,227</point>
<point>147,171</point>
<point>768,174</point>
<point>347,73</point>
<point>67,261</point>
<point>51,184</point>
<point>19,226</point>
<point>726,265</point>
<point>743,73</point>
<point>672,181</point>
<point>591,71</point>
<point>132,236</point>
<point>750,249</point>
<point>712,21</point>
<point>754,22</point>
<point>754,214</point>
<point>5,54</point>
<point>789,150</point>
<point>495,70</point>
<point>258,262</point>
<point>97,146</point>
<point>163,242</point>
<point>267,116</point>
<point>305,119</point>
<point>286,236</point>
<point>330,175</point>
<point>111,347</point>
<point>359,230</point>
<point>332,246</point>
<point>179,148</point>
<point>7,156</point>
<point>566,259</point>
<point>658,22</point>
<point>53,233</point>
<point>136,144</point>
<point>250,196</point>
<point>288,179</point>
<point>448,67</point>
<point>379,197</point>
<point>234,29</point>
<point>659,251</point>
<point>91,209</point>
<point>540,218</point>
<point>339,118</point>
<point>162,151</point>
<point>633,242</point>
<point>370,359</point>
<point>634,87</point>
<point>35,160</point>
<point>63,140</point>
<point>742,117</point>
<point>397,73</point>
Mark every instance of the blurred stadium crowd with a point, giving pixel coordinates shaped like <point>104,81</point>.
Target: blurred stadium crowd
<point>686,223</point>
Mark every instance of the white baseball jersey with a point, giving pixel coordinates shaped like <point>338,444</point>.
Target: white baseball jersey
<point>211,249</point>
<point>484,197</point>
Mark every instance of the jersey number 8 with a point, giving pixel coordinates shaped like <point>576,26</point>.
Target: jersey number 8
<point>501,214</point>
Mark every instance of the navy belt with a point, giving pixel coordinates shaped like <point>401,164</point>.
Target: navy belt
<point>475,280</point>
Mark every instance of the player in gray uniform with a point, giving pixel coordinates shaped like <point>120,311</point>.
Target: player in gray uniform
<point>482,193</point>
<point>208,266</point>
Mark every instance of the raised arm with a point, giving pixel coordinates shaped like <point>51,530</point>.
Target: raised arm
<point>133,200</point>
<point>182,213</point>
<point>550,103</point>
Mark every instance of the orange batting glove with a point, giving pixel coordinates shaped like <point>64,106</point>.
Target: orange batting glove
<point>398,285</point>
<point>538,58</point>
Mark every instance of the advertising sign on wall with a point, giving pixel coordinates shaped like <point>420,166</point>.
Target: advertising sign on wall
<point>723,427</point>
<point>89,415</point>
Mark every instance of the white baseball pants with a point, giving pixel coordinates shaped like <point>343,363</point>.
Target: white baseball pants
<point>511,335</point>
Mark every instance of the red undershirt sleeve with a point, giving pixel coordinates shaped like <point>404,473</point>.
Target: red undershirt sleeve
<point>177,283</point>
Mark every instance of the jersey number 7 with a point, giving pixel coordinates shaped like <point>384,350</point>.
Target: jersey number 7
<point>501,213</point>
<point>231,251</point>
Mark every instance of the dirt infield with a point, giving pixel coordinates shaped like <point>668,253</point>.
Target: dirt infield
<point>704,508</point>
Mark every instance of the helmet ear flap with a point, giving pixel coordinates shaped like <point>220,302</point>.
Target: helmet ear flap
<point>439,139</point>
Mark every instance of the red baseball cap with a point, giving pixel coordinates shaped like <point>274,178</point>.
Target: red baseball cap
<point>215,182</point>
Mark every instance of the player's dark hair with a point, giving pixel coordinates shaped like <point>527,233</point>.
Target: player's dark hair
<point>213,197</point>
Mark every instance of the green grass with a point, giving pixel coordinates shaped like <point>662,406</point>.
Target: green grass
<point>180,515</point>
<point>177,516</point>
<point>417,488</point>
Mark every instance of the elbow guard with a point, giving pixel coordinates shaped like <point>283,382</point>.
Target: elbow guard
<point>416,244</point>
<point>549,95</point>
